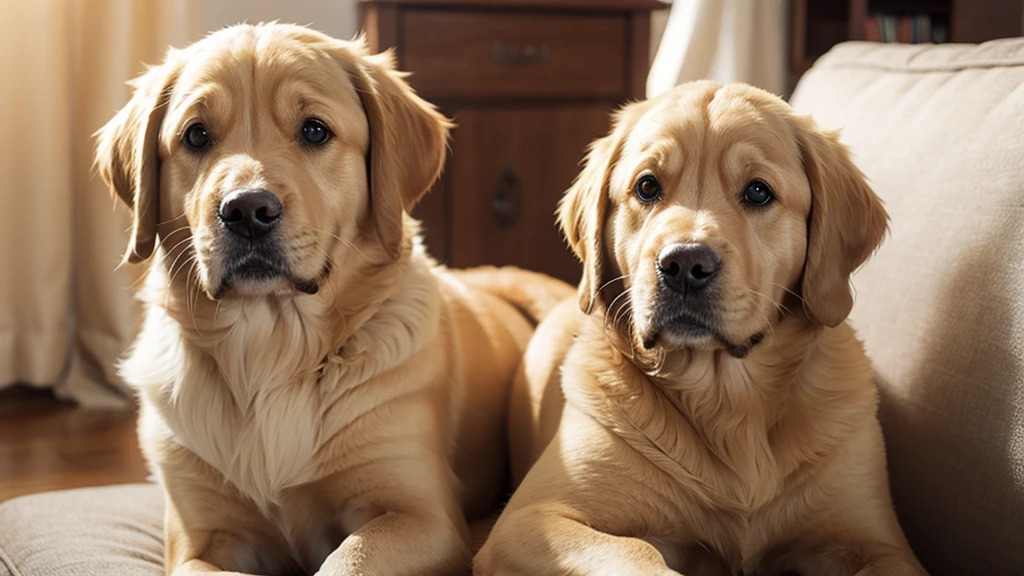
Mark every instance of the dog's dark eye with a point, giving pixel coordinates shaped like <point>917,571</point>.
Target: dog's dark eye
<point>647,188</point>
<point>758,193</point>
<point>196,137</point>
<point>315,132</point>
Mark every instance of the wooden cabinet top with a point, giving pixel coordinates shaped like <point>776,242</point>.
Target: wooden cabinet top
<point>581,5</point>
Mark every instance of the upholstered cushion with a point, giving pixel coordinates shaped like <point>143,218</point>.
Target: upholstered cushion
<point>939,131</point>
<point>111,531</point>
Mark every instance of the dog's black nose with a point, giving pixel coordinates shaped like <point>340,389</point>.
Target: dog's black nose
<point>687,267</point>
<point>250,213</point>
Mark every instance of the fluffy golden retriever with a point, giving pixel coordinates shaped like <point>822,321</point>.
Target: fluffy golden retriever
<point>716,413</point>
<point>316,394</point>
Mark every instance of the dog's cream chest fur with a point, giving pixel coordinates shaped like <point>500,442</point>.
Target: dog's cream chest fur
<point>262,429</point>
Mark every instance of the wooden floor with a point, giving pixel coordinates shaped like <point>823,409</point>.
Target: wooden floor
<point>46,444</point>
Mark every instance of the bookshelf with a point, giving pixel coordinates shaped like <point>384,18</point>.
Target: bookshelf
<point>817,25</point>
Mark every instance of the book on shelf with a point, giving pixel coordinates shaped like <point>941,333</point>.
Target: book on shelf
<point>872,28</point>
<point>917,29</point>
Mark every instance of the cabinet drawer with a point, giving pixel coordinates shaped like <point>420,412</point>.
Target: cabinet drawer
<point>510,166</point>
<point>455,54</point>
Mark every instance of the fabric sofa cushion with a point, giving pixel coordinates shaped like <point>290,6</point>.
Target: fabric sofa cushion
<point>939,132</point>
<point>110,531</point>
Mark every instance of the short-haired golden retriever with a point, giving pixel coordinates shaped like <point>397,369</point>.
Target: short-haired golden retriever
<point>316,394</point>
<point>717,413</point>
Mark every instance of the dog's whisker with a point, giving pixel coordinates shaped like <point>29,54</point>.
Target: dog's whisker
<point>778,305</point>
<point>619,295</point>
<point>625,310</point>
<point>597,292</point>
<point>327,255</point>
<point>623,314</point>
<point>334,289</point>
<point>176,244</point>
<point>775,341</point>
<point>160,244</point>
<point>188,293</point>
<point>171,251</point>
<point>344,241</point>
<point>171,220</point>
<point>175,231</point>
<point>613,280</point>
<point>188,289</point>
<point>174,273</point>
<point>216,312</point>
<point>798,297</point>
<point>188,296</point>
<point>174,263</point>
<point>611,306</point>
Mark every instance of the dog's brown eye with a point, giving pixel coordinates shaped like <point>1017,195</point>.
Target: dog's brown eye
<point>647,188</point>
<point>315,131</point>
<point>758,193</point>
<point>196,137</point>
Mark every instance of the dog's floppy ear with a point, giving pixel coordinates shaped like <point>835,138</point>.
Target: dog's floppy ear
<point>127,158</point>
<point>847,223</point>
<point>582,211</point>
<point>408,140</point>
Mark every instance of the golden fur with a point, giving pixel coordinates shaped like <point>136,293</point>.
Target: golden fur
<point>345,417</point>
<point>667,452</point>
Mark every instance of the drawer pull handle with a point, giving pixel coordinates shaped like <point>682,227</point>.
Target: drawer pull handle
<point>529,55</point>
<point>508,199</point>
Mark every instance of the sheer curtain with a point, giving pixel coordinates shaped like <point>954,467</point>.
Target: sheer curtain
<point>723,40</point>
<point>66,312</point>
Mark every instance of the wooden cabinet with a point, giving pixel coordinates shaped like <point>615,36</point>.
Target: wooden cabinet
<point>530,83</point>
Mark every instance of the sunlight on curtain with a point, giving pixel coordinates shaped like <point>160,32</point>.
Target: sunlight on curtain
<point>723,40</point>
<point>66,314</point>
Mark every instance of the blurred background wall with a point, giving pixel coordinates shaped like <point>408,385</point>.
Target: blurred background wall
<point>338,18</point>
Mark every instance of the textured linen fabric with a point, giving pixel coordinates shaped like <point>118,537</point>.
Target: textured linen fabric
<point>109,531</point>
<point>66,311</point>
<point>939,132</point>
<point>722,40</point>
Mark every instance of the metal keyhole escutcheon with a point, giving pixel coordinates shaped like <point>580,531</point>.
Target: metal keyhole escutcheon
<point>508,199</point>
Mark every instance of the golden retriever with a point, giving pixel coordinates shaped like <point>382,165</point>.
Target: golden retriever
<point>717,413</point>
<point>316,394</point>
